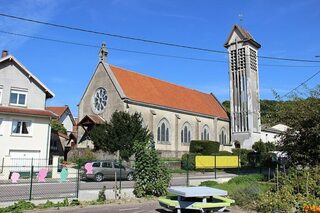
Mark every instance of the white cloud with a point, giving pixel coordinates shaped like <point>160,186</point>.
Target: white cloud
<point>33,9</point>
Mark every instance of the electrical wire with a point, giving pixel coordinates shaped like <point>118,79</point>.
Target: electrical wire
<point>308,79</point>
<point>142,39</point>
<point>138,52</point>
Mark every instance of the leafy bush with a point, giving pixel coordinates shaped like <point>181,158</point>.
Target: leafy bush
<point>243,153</point>
<point>246,194</point>
<point>209,183</point>
<point>188,162</point>
<point>57,126</point>
<point>246,178</point>
<point>152,177</point>
<point>245,190</point>
<point>293,191</point>
<point>18,207</point>
<point>224,153</point>
<point>82,156</point>
<point>204,147</point>
<point>102,195</point>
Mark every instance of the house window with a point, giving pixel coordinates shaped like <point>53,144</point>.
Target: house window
<point>163,131</point>
<point>205,133</point>
<point>186,133</point>
<point>1,91</point>
<point>18,97</point>
<point>223,137</point>
<point>21,127</point>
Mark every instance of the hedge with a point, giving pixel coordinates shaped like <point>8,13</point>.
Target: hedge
<point>204,147</point>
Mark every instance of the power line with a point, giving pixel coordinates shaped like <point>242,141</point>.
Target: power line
<point>144,40</point>
<point>111,48</point>
<point>110,34</point>
<point>136,52</point>
<point>308,79</point>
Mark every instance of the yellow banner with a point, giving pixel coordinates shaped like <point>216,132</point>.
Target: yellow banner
<point>208,162</point>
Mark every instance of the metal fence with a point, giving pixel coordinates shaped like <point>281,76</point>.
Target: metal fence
<point>38,183</point>
<point>187,169</point>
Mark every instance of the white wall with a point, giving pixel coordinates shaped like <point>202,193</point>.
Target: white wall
<point>36,141</point>
<point>66,120</point>
<point>176,121</point>
<point>12,77</point>
<point>269,137</point>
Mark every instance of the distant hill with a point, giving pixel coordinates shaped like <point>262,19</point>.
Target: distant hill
<point>268,111</point>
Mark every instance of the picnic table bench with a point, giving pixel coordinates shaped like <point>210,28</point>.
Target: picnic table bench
<point>197,198</point>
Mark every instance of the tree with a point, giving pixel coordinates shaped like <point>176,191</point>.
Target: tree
<point>57,126</point>
<point>120,134</point>
<point>152,177</point>
<point>301,140</point>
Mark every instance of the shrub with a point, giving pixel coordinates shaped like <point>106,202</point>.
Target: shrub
<point>152,177</point>
<point>293,191</point>
<point>244,190</point>
<point>224,153</point>
<point>82,156</point>
<point>102,195</point>
<point>189,164</point>
<point>243,155</point>
<point>209,183</point>
<point>246,178</point>
<point>247,194</point>
<point>204,147</point>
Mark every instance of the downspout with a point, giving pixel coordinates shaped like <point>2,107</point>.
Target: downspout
<point>48,141</point>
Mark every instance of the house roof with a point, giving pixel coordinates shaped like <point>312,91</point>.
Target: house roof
<point>49,93</point>
<point>59,110</point>
<point>245,34</point>
<point>29,112</point>
<point>149,90</point>
<point>270,129</point>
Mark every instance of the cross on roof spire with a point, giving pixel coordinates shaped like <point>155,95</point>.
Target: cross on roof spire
<point>103,53</point>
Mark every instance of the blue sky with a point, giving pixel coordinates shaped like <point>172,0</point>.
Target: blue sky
<point>288,28</point>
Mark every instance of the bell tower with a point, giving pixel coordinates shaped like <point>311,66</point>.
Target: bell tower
<point>244,87</point>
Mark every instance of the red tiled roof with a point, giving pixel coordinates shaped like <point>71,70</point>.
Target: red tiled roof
<point>59,110</point>
<point>25,111</point>
<point>150,90</point>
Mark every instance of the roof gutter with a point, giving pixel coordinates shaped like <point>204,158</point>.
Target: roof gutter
<point>130,101</point>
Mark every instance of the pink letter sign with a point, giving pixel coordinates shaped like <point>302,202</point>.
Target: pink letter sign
<point>42,175</point>
<point>88,168</point>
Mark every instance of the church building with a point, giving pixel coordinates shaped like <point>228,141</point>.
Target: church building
<point>174,114</point>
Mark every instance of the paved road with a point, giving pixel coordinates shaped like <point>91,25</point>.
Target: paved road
<point>53,189</point>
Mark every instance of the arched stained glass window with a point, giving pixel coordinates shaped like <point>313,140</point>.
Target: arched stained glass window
<point>163,131</point>
<point>223,137</point>
<point>186,133</point>
<point>205,133</point>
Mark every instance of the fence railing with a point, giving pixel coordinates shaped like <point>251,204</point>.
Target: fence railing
<point>36,182</point>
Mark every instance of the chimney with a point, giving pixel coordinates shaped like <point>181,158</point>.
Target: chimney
<point>4,53</point>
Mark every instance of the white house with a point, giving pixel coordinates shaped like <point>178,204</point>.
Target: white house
<point>64,116</point>
<point>24,122</point>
